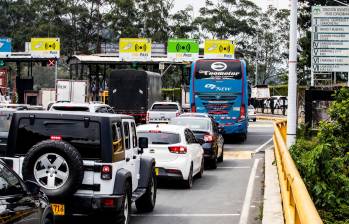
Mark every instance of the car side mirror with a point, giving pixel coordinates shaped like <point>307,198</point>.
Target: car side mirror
<point>33,187</point>
<point>201,141</point>
<point>143,144</point>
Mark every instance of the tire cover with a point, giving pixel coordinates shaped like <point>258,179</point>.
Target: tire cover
<point>72,158</point>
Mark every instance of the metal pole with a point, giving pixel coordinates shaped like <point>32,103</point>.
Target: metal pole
<point>257,53</point>
<point>56,73</point>
<point>292,79</point>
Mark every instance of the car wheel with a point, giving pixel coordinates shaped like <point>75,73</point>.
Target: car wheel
<point>201,173</point>
<point>146,203</point>
<point>123,216</point>
<point>47,217</point>
<point>220,158</point>
<point>189,182</point>
<point>56,166</point>
<point>213,163</point>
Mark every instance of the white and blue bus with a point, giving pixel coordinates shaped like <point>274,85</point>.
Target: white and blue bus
<point>219,87</point>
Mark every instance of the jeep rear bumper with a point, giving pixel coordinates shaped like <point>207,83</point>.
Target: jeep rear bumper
<point>87,204</point>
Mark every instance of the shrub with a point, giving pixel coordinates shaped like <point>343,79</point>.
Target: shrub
<point>323,162</point>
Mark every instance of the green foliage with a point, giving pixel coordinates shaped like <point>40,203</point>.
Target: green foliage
<point>323,162</point>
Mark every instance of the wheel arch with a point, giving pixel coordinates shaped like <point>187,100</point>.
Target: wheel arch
<point>145,171</point>
<point>121,177</point>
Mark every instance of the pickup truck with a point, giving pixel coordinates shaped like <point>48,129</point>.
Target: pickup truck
<point>163,112</point>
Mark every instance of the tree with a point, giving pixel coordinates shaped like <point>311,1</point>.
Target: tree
<point>182,24</point>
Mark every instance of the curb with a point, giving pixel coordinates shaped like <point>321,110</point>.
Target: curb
<point>272,206</point>
<point>270,118</point>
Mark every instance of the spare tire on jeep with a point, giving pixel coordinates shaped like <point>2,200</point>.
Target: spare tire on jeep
<point>56,166</point>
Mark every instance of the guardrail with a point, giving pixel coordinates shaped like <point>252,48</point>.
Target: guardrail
<point>297,205</point>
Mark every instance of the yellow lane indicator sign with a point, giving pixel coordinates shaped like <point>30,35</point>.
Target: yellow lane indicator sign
<point>219,49</point>
<point>45,44</point>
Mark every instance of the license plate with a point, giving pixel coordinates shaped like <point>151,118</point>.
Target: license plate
<point>58,209</point>
<point>157,171</point>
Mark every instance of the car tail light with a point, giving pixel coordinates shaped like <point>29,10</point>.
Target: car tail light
<point>106,172</point>
<point>56,137</point>
<point>208,138</point>
<point>177,114</point>
<point>108,202</point>
<point>242,112</point>
<point>178,149</point>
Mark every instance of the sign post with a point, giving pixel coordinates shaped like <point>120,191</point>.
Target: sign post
<point>5,47</point>
<point>182,50</point>
<point>135,49</point>
<point>330,40</point>
<point>45,47</point>
<point>224,49</point>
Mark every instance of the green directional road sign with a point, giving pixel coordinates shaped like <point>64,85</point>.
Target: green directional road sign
<point>183,49</point>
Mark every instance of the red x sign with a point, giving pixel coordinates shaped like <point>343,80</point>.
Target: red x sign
<point>51,62</point>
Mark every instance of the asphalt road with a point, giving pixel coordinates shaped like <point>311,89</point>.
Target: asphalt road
<point>231,194</point>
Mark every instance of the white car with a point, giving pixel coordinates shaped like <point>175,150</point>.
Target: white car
<point>163,112</point>
<point>252,113</point>
<point>93,107</point>
<point>178,154</point>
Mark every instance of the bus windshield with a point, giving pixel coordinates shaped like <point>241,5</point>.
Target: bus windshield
<point>218,70</point>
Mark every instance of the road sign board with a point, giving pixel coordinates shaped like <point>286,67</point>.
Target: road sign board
<point>135,49</point>
<point>330,11</point>
<point>331,29</point>
<point>330,44</point>
<point>182,49</point>
<point>219,49</point>
<point>331,36</point>
<point>331,68</point>
<point>330,52</point>
<point>45,47</point>
<point>330,39</point>
<point>5,47</point>
<point>330,21</point>
<point>331,60</point>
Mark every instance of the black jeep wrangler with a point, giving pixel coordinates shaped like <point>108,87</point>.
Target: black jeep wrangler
<point>86,163</point>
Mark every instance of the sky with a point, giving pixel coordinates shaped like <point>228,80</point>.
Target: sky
<point>197,4</point>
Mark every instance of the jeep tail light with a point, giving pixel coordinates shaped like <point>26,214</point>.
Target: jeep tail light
<point>106,172</point>
<point>208,138</point>
<point>56,137</point>
<point>178,149</point>
<point>108,202</point>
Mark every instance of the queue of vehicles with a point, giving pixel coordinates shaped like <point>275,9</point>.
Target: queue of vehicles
<point>87,158</point>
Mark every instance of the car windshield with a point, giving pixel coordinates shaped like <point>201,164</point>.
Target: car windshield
<point>250,107</point>
<point>193,124</point>
<point>165,107</point>
<point>160,138</point>
<point>71,108</point>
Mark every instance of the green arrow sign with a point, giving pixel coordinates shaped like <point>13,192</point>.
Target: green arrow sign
<point>182,49</point>
<point>182,46</point>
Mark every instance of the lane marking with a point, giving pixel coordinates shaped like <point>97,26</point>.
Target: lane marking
<point>186,215</point>
<point>262,146</point>
<point>247,201</point>
<point>232,155</point>
<point>233,167</point>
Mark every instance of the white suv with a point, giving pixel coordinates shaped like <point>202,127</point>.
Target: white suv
<point>177,153</point>
<point>93,107</point>
<point>86,163</point>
